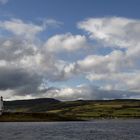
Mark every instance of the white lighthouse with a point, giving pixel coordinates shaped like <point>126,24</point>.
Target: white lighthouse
<point>1,105</point>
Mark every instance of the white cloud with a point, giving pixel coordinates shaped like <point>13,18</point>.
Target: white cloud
<point>112,62</point>
<point>65,42</point>
<point>20,28</point>
<point>88,92</point>
<point>123,80</point>
<point>51,23</point>
<point>3,1</point>
<point>25,58</point>
<point>114,69</point>
<point>119,68</point>
<point>113,31</point>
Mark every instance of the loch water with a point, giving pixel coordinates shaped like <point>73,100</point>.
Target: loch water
<point>90,130</point>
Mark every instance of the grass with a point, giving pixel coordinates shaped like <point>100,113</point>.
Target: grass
<point>72,110</point>
<point>103,110</point>
<point>34,117</point>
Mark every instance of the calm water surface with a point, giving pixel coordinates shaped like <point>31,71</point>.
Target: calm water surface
<point>95,130</point>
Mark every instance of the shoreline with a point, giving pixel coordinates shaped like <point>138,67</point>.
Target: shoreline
<point>52,117</point>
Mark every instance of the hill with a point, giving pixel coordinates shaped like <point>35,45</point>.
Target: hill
<point>32,105</point>
<point>80,109</point>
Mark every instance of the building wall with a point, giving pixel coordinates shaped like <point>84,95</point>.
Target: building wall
<point>1,107</point>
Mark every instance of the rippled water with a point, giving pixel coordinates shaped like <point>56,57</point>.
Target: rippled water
<point>95,130</point>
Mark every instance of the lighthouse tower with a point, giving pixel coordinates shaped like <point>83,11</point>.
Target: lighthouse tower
<point>1,105</point>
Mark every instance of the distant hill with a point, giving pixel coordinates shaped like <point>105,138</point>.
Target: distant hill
<point>31,101</point>
<point>82,109</point>
<point>31,105</point>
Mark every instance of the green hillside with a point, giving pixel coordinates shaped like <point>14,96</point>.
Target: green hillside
<point>80,109</point>
<point>34,117</point>
<point>33,105</point>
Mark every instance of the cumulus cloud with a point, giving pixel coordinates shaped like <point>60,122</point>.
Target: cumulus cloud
<point>18,27</point>
<point>112,62</point>
<point>115,81</point>
<point>28,64</point>
<point>119,69</point>
<point>113,31</point>
<point>20,58</point>
<point>19,80</point>
<point>88,92</point>
<point>16,47</point>
<point>65,42</point>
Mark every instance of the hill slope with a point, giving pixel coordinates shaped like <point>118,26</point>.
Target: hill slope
<point>79,109</point>
<point>32,105</point>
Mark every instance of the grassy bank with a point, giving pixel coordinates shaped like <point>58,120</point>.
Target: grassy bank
<point>53,110</point>
<point>34,117</point>
<point>101,109</point>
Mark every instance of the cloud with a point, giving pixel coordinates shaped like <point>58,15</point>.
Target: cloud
<point>112,62</point>
<point>25,63</point>
<point>3,1</point>
<point>65,42</point>
<point>114,70</point>
<point>113,31</point>
<point>19,80</point>
<point>51,23</point>
<point>28,64</point>
<point>88,92</point>
<point>20,58</point>
<point>119,69</point>
<point>115,81</point>
<point>100,64</point>
<point>17,48</point>
<point>18,27</point>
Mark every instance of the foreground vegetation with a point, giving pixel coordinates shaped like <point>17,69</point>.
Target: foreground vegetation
<point>54,110</point>
<point>34,117</point>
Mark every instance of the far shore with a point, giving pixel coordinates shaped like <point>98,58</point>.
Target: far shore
<point>48,109</point>
<point>34,117</point>
<point>50,117</point>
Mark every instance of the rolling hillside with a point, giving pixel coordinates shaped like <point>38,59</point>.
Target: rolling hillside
<point>81,109</point>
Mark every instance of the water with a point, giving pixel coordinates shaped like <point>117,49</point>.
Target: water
<point>95,130</point>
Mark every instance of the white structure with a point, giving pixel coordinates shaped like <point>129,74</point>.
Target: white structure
<point>1,105</point>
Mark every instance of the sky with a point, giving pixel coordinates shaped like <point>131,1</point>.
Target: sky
<point>70,49</point>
